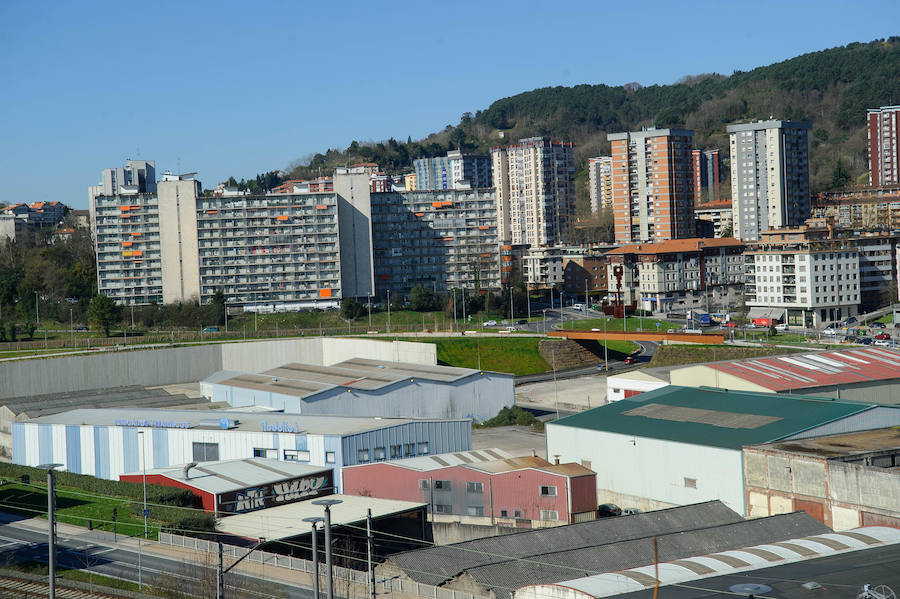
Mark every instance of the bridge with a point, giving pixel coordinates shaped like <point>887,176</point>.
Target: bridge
<point>659,337</point>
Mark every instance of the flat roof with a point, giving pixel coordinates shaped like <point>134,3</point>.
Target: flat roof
<point>357,373</point>
<point>673,246</point>
<point>231,475</point>
<point>237,421</point>
<point>847,444</point>
<point>770,124</point>
<point>491,461</point>
<point>713,417</point>
<point>286,521</point>
<point>815,369</point>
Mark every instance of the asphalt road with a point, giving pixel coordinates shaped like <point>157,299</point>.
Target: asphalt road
<point>18,544</point>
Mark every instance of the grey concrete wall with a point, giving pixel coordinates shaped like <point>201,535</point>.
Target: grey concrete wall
<point>168,365</point>
<point>446,533</point>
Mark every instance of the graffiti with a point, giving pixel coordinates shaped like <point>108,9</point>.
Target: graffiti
<point>250,499</point>
<point>297,489</point>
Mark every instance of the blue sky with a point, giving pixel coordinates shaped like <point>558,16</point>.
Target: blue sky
<point>235,88</point>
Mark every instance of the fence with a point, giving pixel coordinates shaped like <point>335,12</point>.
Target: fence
<point>354,582</point>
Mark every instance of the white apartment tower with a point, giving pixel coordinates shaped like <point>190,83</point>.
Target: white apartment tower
<point>881,125</point>
<point>535,185</point>
<point>769,176</point>
<point>600,175</point>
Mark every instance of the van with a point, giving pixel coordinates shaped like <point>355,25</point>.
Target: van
<point>781,327</point>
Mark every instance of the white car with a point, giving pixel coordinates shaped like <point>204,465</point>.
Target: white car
<point>490,323</point>
<point>782,327</point>
<point>830,331</point>
<point>885,342</point>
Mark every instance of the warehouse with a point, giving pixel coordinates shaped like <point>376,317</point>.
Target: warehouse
<point>110,443</point>
<point>869,374</point>
<point>362,387</point>
<point>237,486</point>
<point>483,487</point>
<point>680,445</point>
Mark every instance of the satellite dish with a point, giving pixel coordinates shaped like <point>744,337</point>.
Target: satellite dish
<point>750,589</point>
<point>880,591</point>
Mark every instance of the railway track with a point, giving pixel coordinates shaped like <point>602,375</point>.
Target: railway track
<point>19,588</point>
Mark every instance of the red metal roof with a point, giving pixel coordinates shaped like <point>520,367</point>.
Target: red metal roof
<point>817,369</point>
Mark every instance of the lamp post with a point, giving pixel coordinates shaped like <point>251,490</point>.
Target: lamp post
<point>51,518</point>
<point>72,327</point>
<point>370,328</point>
<point>37,313</point>
<point>389,311</point>
<point>327,503</point>
<point>314,520</point>
<point>144,468</point>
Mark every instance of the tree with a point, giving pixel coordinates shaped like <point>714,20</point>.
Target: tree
<point>103,313</point>
<point>351,308</point>
<point>727,230</point>
<point>422,299</point>
<point>216,308</point>
<point>30,328</point>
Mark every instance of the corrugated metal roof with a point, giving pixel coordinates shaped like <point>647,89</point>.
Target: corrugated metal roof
<point>230,475</point>
<point>819,369</point>
<point>727,562</point>
<point>502,577</point>
<point>443,460</point>
<point>773,416</point>
<point>436,565</point>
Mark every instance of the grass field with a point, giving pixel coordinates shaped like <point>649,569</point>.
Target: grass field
<point>515,355</point>
<point>677,355</point>
<point>619,348</point>
<point>886,319</point>
<point>619,324</point>
<point>74,508</point>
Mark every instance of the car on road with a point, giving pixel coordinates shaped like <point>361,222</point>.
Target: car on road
<point>607,510</point>
<point>522,321</point>
<point>631,360</point>
<point>211,330</point>
<point>878,325</point>
<point>730,325</point>
<point>80,329</point>
<point>782,327</point>
<point>490,323</point>
<point>579,307</point>
<point>670,330</point>
<point>848,321</point>
<point>830,331</point>
<point>882,336</point>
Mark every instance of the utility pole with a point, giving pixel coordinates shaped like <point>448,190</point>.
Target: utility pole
<point>314,520</point>
<point>220,578</point>
<point>371,550</point>
<point>144,467</point>
<point>329,570</point>
<point>511,312</point>
<point>51,519</point>
<point>37,313</point>
<point>370,328</point>
<point>388,322</point>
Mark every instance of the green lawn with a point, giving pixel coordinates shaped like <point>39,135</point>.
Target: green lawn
<point>631,323</point>
<point>515,355</point>
<point>886,319</point>
<point>73,508</point>
<point>620,348</point>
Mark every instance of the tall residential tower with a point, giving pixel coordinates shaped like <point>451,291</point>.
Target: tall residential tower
<point>600,175</point>
<point>653,185</point>
<point>882,132</point>
<point>769,176</point>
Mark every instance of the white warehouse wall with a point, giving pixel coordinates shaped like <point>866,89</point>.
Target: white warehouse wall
<point>653,469</point>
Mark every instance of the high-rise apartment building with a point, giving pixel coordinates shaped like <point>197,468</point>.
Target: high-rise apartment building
<point>706,175</point>
<point>600,176</point>
<point>535,185</point>
<point>769,176</point>
<point>883,156</point>
<point>653,185</point>
<point>439,239</point>
<point>453,171</point>
<point>292,250</point>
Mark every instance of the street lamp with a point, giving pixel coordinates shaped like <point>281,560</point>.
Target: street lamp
<point>51,518</point>
<point>37,313</point>
<point>389,311</point>
<point>327,503</point>
<point>144,468</point>
<point>314,520</point>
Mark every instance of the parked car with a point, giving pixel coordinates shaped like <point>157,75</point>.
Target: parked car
<point>607,510</point>
<point>830,331</point>
<point>630,511</point>
<point>522,321</point>
<point>878,325</point>
<point>490,323</point>
<point>848,320</point>
<point>883,342</point>
<point>782,327</point>
<point>211,330</point>
<point>81,328</point>
<point>670,330</point>
<point>882,336</point>
<point>692,331</point>
<point>730,325</point>
<point>866,340</point>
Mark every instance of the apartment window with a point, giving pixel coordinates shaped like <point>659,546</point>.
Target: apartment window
<point>517,513</point>
<point>690,483</point>
<point>296,455</point>
<point>442,485</point>
<point>504,513</point>
<point>206,452</point>
<point>548,491</point>
<point>440,508</point>
<point>474,487</point>
<point>475,510</point>
<point>549,515</point>
<point>329,457</point>
<point>423,483</point>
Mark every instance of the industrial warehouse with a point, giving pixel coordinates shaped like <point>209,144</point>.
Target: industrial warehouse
<point>110,443</point>
<point>363,387</point>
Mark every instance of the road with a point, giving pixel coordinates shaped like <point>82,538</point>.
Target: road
<point>120,560</point>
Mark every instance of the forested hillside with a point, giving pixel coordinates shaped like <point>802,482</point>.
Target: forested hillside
<point>832,89</point>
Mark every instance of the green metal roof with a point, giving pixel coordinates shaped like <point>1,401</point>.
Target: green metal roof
<point>713,417</point>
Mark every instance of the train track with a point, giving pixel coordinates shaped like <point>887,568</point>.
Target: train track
<point>19,588</point>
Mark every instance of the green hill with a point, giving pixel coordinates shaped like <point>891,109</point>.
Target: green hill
<point>832,89</point>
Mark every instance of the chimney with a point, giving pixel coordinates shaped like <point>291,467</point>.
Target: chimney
<point>556,459</point>
<point>533,452</point>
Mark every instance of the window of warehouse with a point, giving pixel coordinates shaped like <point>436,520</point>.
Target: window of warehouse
<point>474,487</point>
<point>549,515</point>
<point>548,491</point>
<point>206,452</point>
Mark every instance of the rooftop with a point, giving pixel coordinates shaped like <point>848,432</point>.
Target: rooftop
<point>816,369</point>
<point>232,475</point>
<point>286,521</point>
<point>493,461</point>
<point>673,246</point>
<point>215,419</point>
<point>838,446</point>
<point>713,417</point>
<point>358,373</point>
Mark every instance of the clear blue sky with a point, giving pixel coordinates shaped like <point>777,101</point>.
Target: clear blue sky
<point>236,88</point>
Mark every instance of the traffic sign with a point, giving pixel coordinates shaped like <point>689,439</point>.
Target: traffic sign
<point>147,512</point>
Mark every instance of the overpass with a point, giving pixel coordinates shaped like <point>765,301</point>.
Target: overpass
<point>659,337</point>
